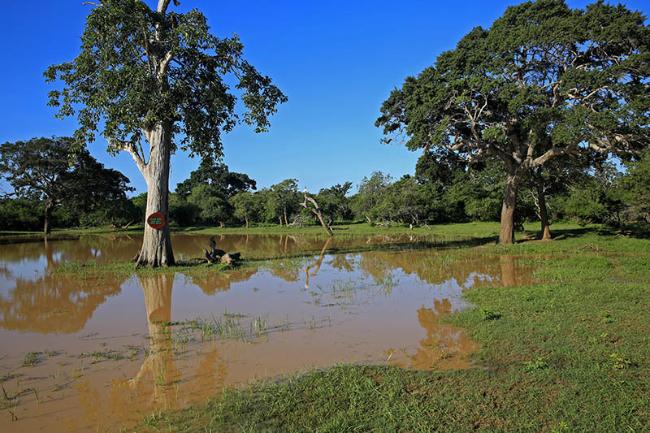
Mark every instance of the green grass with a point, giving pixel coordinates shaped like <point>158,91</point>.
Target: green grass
<point>457,230</point>
<point>93,269</point>
<point>568,354</point>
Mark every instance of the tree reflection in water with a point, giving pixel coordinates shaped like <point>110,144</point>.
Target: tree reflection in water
<point>164,380</point>
<point>171,373</point>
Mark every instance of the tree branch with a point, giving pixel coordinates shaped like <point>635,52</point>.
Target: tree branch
<point>130,148</point>
<point>162,6</point>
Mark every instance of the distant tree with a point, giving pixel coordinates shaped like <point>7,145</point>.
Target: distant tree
<point>140,203</point>
<point>544,81</point>
<point>595,198</point>
<point>216,173</point>
<point>283,200</point>
<point>334,201</point>
<point>20,214</point>
<point>635,186</point>
<point>246,206</point>
<point>553,178</point>
<point>370,194</point>
<point>181,212</point>
<point>152,76</point>
<point>405,201</point>
<point>479,191</point>
<point>213,206</point>
<point>53,171</point>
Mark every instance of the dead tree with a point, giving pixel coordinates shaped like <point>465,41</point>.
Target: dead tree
<point>310,204</point>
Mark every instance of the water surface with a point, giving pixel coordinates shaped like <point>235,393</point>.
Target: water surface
<point>110,350</point>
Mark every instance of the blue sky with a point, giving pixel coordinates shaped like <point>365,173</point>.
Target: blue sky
<point>335,60</point>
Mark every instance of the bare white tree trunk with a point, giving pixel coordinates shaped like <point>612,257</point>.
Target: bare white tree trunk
<point>157,245</point>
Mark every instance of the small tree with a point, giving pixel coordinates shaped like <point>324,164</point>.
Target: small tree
<point>282,200</point>
<point>46,169</point>
<point>214,207</point>
<point>148,76</point>
<point>246,206</point>
<point>544,82</point>
<point>369,195</point>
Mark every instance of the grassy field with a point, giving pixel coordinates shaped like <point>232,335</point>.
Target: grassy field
<point>459,230</point>
<point>569,353</point>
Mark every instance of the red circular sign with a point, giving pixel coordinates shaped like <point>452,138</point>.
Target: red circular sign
<point>157,220</point>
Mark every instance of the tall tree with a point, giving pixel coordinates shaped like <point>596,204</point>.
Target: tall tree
<point>52,171</point>
<point>148,76</point>
<point>544,81</point>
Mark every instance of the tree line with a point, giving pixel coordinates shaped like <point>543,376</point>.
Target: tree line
<point>48,190</point>
<point>532,109</point>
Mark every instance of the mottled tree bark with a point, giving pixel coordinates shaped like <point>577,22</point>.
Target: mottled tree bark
<point>157,245</point>
<point>507,233</point>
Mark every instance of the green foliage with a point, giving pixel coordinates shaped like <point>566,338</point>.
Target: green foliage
<point>536,364</point>
<point>20,214</point>
<point>282,200</point>
<point>51,172</point>
<point>335,203</point>
<point>635,185</point>
<point>213,206</point>
<point>594,199</point>
<point>139,68</point>
<point>490,315</point>
<point>181,212</point>
<point>246,206</point>
<point>479,191</point>
<point>370,194</point>
<point>216,173</point>
<point>545,82</point>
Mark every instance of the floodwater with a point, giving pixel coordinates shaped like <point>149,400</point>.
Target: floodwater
<point>101,352</point>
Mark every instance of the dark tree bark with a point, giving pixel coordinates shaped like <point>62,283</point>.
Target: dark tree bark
<point>47,217</point>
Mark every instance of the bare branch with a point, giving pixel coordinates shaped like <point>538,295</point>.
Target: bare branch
<point>132,150</point>
<point>162,6</point>
<point>164,64</point>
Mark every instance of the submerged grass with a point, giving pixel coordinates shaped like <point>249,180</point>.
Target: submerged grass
<point>569,354</point>
<point>92,269</point>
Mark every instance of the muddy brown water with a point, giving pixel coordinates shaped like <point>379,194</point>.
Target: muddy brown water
<point>107,351</point>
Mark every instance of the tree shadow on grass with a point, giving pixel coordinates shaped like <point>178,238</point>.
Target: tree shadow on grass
<point>634,231</point>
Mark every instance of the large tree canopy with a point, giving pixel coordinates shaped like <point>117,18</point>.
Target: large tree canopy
<point>544,81</point>
<point>140,67</point>
<point>159,77</point>
<point>47,170</point>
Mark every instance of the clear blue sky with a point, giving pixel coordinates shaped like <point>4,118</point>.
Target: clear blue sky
<point>336,61</point>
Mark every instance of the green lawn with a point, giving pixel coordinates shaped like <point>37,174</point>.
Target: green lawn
<point>570,353</point>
